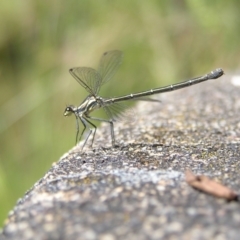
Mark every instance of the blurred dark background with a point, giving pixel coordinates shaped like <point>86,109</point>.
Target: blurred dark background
<point>163,42</point>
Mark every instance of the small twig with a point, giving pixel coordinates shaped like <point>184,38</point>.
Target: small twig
<point>210,186</point>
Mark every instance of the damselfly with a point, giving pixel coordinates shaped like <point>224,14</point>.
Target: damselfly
<point>92,80</point>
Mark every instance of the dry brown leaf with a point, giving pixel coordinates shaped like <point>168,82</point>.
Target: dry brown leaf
<point>209,186</point>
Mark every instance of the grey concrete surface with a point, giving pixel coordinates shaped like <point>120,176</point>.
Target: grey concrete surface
<point>138,190</point>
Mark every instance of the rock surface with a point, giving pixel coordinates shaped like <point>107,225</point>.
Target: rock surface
<point>138,190</point>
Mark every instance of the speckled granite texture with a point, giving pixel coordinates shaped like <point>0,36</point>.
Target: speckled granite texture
<point>137,190</point>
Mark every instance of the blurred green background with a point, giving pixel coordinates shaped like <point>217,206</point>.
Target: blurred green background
<point>162,41</point>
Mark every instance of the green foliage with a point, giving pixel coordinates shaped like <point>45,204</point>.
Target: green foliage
<point>163,42</point>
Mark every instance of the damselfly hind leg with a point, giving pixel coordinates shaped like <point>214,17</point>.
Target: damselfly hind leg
<point>111,127</point>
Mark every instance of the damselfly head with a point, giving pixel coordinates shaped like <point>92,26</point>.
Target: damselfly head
<point>69,110</point>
